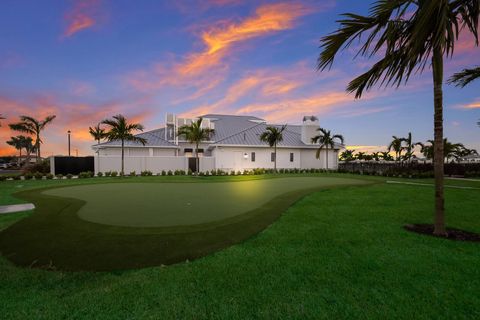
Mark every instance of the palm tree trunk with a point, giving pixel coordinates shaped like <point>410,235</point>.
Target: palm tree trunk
<point>326,157</point>
<point>197,158</point>
<point>437,64</point>
<point>38,147</point>
<point>20,157</point>
<point>123,156</point>
<point>275,155</point>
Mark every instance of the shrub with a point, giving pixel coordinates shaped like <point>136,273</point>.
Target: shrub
<point>201,173</point>
<point>3,178</point>
<point>108,173</point>
<point>213,172</point>
<point>69,176</point>
<point>170,173</point>
<point>189,172</point>
<point>221,172</point>
<point>132,173</point>
<point>239,173</point>
<point>85,174</point>
<point>49,176</point>
<point>114,173</point>
<point>59,176</point>
<point>28,176</point>
<point>42,166</point>
<point>38,175</point>
<point>100,174</point>
<point>232,173</point>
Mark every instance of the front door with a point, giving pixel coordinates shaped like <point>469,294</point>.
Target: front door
<point>192,164</point>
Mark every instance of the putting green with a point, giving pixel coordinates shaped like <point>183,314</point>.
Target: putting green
<point>131,223</point>
<point>179,204</point>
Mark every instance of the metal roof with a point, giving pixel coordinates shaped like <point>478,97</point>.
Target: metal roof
<point>155,138</point>
<point>230,130</point>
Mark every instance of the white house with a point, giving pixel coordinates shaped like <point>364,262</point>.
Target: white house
<point>235,145</point>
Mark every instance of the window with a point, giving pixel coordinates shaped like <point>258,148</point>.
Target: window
<point>272,157</point>
<point>253,157</point>
<point>291,156</point>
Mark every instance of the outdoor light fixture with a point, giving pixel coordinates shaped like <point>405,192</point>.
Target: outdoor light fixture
<point>69,132</point>
<point>245,155</point>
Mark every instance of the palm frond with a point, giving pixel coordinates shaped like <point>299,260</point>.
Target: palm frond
<point>464,77</point>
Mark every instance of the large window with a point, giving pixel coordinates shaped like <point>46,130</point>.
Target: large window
<point>291,156</point>
<point>272,157</point>
<point>253,157</point>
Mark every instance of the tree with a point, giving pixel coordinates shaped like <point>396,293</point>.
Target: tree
<point>347,155</point>
<point>34,127</point>
<point>97,133</point>
<point>120,129</point>
<point>361,155</point>
<point>396,146</point>
<point>273,136</point>
<point>22,142</point>
<point>409,146</point>
<point>408,34</point>
<point>194,133</point>
<point>17,144</point>
<point>386,156</point>
<point>1,118</point>
<point>326,139</point>
<point>376,156</point>
<point>464,77</point>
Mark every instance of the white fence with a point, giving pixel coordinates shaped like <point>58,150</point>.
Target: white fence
<point>153,164</point>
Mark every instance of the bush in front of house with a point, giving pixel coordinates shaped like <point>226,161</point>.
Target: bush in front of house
<point>49,176</point>
<point>170,173</point>
<point>69,176</point>
<point>114,174</point>
<point>189,172</point>
<point>85,174</point>
<point>100,174</point>
<point>38,175</point>
<point>132,174</point>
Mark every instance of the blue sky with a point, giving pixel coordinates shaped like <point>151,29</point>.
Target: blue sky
<point>86,60</point>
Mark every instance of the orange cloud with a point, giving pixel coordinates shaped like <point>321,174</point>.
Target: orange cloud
<point>200,69</point>
<point>81,17</point>
<point>473,105</point>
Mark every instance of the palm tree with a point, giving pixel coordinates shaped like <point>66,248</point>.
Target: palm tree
<point>361,155</point>
<point>396,146</point>
<point>34,127</point>
<point>376,156</point>
<point>272,136</point>
<point>464,77</point>
<point>121,130</point>
<point>409,146</point>
<point>326,140</point>
<point>22,142</point>
<point>347,155</point>
<point>97,133</point>
<point>194,133</point>
<point>1,118</point>
<point>409,34</point>
<point>16,142</point>
<point>386,156</point>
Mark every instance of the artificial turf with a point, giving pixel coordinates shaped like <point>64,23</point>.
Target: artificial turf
<point>147,224</point>
<point>182,204</point>
<point>336,253</point>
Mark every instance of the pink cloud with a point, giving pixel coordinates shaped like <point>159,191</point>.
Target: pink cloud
<point>83,15</point>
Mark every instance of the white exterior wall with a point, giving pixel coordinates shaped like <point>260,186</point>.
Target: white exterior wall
<point>232,158</point>
<point>309,159</point>
<point>137,151</point>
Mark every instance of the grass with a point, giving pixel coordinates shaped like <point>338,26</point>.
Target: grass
<point>336,253</point>
<point>140,234</point>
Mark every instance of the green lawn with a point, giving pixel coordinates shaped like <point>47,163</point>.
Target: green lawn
<point>336,253</point>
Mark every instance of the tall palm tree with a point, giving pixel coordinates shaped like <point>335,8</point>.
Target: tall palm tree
<point>376,156</point>
<point>409,34</point>
<point>396,146</point>
<point>361,155</point>
<point>409,146</point>
<point>464,77</point>
<point>97,133</point>
<point>120,129</point>
<point>34,127</point>
<point>326,139</point>
<point>195,134</point>
<point>1,118</point>
<point>272,136</point>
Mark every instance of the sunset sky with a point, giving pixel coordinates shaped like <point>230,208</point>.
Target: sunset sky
<point>86,60</point>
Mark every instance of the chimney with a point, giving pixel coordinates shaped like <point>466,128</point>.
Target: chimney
<point>309,128</point>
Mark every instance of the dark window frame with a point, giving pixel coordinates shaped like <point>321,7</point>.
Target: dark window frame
<point>292,156</point>
<point>272,157</point>
<point>252,156</point>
